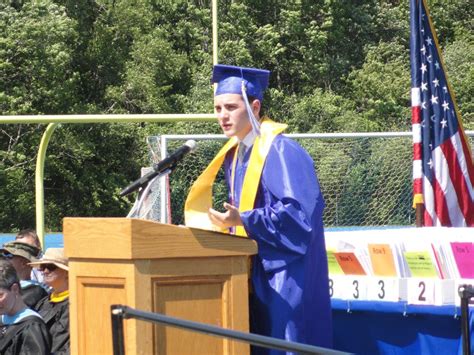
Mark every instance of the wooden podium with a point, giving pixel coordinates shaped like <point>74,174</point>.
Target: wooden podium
<point>183,272</point>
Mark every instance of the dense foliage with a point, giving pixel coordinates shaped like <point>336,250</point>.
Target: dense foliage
<point>336,66</point>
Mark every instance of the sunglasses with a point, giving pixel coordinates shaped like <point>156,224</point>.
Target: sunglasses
<point>6,255</point>
<point>50,267</point>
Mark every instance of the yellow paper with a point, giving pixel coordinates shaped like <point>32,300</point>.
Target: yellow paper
<point>420,264</point>
<point>333,266</point>
<point>381,257</point>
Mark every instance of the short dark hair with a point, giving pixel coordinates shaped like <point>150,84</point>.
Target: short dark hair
<point>8,275</point>
<point>29,232</point>
<point>252,99</point>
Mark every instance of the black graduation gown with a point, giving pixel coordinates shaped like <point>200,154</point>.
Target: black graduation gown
<point>32,294</point>
<point>28,336</point>
<point>56,317</point>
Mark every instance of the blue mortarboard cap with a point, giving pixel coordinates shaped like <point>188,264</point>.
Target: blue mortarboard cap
<point>229,80</point>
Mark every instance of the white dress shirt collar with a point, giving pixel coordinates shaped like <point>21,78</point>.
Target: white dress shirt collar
<point>249,139</point>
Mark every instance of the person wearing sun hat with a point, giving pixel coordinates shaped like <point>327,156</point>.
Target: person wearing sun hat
<point>55,308</point>
<point>25,252</point>
<point>29,236</point>
<point>274,199</point>
<point>20,255</point>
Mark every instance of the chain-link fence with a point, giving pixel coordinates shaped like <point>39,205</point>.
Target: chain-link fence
<point>366,179</point>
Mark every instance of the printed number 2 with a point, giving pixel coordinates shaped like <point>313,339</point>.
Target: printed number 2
<point>422,297</point>
<point>356,293</point>
<point>382,290</point>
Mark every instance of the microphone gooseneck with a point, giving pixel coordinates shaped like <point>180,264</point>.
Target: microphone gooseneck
<point>165,165</point>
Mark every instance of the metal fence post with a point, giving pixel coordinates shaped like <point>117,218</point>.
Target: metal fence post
<point>466,292</point>
<point>117,329</point>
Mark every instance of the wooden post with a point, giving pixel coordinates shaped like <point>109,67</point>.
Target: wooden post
<point>419,212</point>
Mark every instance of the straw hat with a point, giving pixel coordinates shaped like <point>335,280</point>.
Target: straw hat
<point>53,256</point>
<point>27,251</point>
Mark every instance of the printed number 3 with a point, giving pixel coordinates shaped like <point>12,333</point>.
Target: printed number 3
<point>356,293</point>
<point>382,290</point>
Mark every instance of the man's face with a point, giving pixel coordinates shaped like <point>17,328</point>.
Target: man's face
<point>232,115</point>
<point>21,266</point>
<point>54,276</point>
<point>7,301</point>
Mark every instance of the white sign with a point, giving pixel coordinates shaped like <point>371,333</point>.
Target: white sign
<point>389,289</point>
<point>430,291</point>
<point>348,287</point>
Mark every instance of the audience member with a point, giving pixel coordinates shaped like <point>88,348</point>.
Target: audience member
<point>55,308</point>
<point>22,330</point>
<point>29,236</point>
<point>20,254</point>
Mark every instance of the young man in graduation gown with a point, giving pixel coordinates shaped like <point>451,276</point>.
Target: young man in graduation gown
<point>274,199</point>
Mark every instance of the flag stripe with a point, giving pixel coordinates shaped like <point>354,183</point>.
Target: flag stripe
<point>446,187</point>
<point>428,222</point>
<point>458,144</point>
<point>460,194</point>
<point>415,97</point>
<point>417,137</point>
<point>466,152</point>
<point>440,206</point>
<point>430,214</point>
<point>418,152</point>
<point>418,186</point>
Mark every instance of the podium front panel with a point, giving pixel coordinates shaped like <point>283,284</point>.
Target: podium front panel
<point>185,273</point>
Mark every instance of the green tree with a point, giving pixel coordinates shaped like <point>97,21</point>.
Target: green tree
<point>381,87</point>
<point>459,56</point>
<point>36,77</point>
<point>35,56</point>
<point>154,78</point>
<point>336,66</point>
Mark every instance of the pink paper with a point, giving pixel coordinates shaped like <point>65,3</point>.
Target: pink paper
<point>464,256</point>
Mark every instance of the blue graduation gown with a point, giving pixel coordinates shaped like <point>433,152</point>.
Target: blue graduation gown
<point>290,295</point>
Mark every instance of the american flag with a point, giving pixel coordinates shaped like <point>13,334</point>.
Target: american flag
<point>443,169</point>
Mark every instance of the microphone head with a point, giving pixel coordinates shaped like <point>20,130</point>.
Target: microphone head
<point>191,144</point>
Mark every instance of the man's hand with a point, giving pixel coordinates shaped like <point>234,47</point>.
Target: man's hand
<point>230,218</point>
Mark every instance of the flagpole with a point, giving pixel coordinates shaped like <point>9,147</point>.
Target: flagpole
<point>419,213</point>
<point>415,100</point>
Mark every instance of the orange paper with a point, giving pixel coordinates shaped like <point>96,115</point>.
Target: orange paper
<point>381,257</point>
<point>349,263</point>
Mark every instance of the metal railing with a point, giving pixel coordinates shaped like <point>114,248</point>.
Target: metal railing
<point>54,122</point>
<point>466,293</point>
<point>120,312</point>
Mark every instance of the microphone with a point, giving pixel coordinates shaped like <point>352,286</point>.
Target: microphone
<point>165,165</point>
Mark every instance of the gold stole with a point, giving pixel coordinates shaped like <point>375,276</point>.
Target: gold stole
<point>199,199</point>
<point>59,297</point>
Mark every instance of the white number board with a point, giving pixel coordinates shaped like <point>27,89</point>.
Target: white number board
<point>430,291</point>
<point>389,289</point>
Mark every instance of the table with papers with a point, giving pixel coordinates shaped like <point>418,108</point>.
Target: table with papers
<point>416,308</point>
